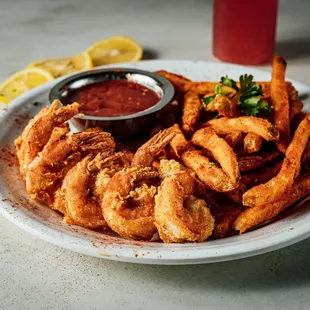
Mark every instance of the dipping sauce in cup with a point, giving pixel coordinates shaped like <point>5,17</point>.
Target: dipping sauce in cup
<point>123,101</point>
<point>113,98</point>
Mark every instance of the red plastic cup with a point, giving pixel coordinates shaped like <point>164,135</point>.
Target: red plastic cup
<point>244,30</point>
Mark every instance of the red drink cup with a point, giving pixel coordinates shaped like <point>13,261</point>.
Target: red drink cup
<point>244,30</point>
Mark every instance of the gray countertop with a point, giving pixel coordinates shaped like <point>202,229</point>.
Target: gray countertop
<point>38,275</point>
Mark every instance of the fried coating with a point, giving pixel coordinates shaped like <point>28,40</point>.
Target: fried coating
<point>224,219</point>
<point>48,169</point>
<point>252,143</point>
<point>280,102</point>
<point>221,151</point>
<point>259,214</point>
<point>179,215</point>
<point>234,139</point>
<point>82,207</point>
<point>224,106</point>
<point>274,189</point>
<point>248,163</point>
<point>128,203</point>
<point>262,175</point>
<point>296,107</point>
<point>146,153</point>
<point>246,124</point>
<point>191,112</point>
<point>38,131</point>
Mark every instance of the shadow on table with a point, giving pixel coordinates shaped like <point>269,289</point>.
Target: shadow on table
<point>284,268</point>
<point>296,48</point>
<point>149,54</point>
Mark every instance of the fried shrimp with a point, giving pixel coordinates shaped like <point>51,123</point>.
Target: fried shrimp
<point>146,153</point>
<point>245,124</point>
<point>179,215</point>
<point>221,151</point>
<point>128,203</point>
<point>191,112</point>
<point>83,207</point>
<point>47,170</point>
<point>39,130</point>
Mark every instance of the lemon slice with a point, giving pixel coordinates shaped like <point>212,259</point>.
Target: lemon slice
<point>114,50</point>
<point>22,81</point>
<point>64,65</point>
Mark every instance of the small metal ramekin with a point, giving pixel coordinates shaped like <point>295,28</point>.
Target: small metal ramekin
<point>120,126</point>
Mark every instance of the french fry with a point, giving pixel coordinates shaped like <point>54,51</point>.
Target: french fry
<point>178,81</point>
<point>274,189</point>
<point>296,107</point>
<point>201,88</point>
<point>280,102</point>
<point>191,112</point>
<point>259,214</point>
<point>260,176</point>
<point>292,92</point>
<point>221,151</point>
<point>252,143</point>
<point>246,124</point>
<point>208,172</point>
<point>224,219</point>
<point>248,163</point>
<point>234,139</point>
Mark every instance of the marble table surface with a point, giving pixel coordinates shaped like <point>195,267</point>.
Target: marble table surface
<point>38,275</point>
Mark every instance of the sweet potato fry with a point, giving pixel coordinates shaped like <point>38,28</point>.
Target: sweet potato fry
<point>292,92</point>
<point>259,214</point>
<point>248,163</point>
<point>221,151</point>
<point>252,143</point>
<point>246,124</point>
<point>280,102</point>
<point>208,172</point>
<point>296,107</point>
<point>234,139</point>
<point>274,189</point>
<point>191,112</point>
<point>224,219</point>
<point>178,81</point>
<point>201,88</point>
<point>262,175</point>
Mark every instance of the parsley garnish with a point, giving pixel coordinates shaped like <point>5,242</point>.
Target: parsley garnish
<point>226,81</point>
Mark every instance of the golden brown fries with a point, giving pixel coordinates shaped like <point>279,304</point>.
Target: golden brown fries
<point>246,124</point>
<point>178,81</point>
<point>224,219</point>
<point>296,107</point>
<point>252,143</point>
<point>234,139</point>
<point>191,112</point>
<point>280,102</point>
<point>262,175</point>
<point>208,172</point>
<point>248,163</point>
<point>259,214</point>
<point>221,151</point>
<point>274,189</point>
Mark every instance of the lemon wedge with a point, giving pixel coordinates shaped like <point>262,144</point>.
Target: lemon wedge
<point>22,81</point>
<point>114,50</point>
<point>64,65</point>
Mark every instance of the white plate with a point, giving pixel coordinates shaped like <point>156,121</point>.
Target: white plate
<point>46,224</point>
